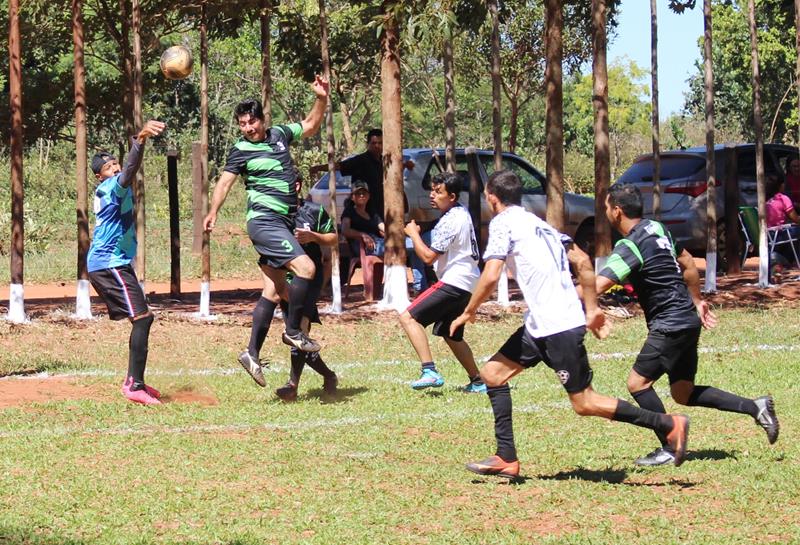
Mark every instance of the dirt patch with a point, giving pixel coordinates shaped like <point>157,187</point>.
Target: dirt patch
<point>189,395</point>
<point>19,392</point>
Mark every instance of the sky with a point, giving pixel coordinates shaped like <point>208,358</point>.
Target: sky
<point>677,47</point>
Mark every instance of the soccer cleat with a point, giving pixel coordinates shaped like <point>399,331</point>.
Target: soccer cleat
<point>137,396</point>
<point>430,378</point>
<point>658,457</point>
<point>494,465</point>
<point>287,392</point>
<point>477,387</point>
<point>678,437</point>
<point>152,391</point>
<point>329,384</point>
<point>301,341</point>
<point>766,417</point>
<point>252,367</point>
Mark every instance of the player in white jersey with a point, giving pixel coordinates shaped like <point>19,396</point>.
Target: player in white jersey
<point>454,255</point>
<point>554,326</point>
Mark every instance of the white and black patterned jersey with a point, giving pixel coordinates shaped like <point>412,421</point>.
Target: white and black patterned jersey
<point>453,239</point>
<point>535,253</point>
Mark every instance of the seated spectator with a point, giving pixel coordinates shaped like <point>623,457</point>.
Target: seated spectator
<point>780,211</point>
<point>359,224</point>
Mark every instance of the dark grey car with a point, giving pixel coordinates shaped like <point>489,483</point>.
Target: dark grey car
<point>683,186</point>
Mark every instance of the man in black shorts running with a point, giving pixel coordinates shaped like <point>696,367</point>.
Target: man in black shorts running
<point>554,327</point>
<point>668,286</point>
<point>261,157</point>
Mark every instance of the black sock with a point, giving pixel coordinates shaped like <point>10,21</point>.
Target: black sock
<point>428,365</point>
<point>314,360</point>
<point>137,346</point>
<point>500,397</point>
<point>262,317</point>
<point>714,398</point>
<point>475,379</point>
<point>640,417</point>
<point>298,362</point>
<point>297,298</point>
<point>648,399</point>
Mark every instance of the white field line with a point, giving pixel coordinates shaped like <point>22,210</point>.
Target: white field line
<point>299,425</point>
<point>282,367</point>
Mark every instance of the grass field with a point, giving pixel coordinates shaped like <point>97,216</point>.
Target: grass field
<point>381,464</point>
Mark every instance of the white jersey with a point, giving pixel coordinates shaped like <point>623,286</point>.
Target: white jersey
<point>453,239</point>
<point>535,253</point>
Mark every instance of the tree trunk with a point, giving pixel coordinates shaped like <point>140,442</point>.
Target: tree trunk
<point>347,130</point>
<point>656,128</point>
<point>83,307</point>
<point>513,123</point>
<point>138,122</point>
<point>395,293</point>
<point>797,62</point>
<point>554,115</point>
<point>711,175</point>
<point>758,126</point>
<point>16,306</point>
<point>126,68</point>
<point>266,77</point>
<point>602,159</point>
<point>497,119</point>
<point>449,101</point>
<point>336,286</point>
<point>205,282</point>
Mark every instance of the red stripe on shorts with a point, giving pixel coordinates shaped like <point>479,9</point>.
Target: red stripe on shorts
<point>425,294</point>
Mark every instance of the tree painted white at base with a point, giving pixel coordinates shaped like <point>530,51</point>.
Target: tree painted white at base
<point>83,304</point>
<point>395,288</point>
<point>205,299</point>
<point>502,288</point>
<point>16,304</point>
<point>336,292</point>
<point>763,259</point>
<point>710,285</point>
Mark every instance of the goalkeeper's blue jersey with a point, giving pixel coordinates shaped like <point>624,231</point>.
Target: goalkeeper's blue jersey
<point>114,240</point>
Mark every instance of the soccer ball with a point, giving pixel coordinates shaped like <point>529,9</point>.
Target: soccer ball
<point>176,62</point>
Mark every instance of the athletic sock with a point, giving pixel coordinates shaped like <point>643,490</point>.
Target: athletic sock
<point>262,317</point>
<point>428,365</point>
<point>137,350</point>
<point>500,397</point>
<point>297,298</point>
<point>714,398</point>
<point>476,378</point>
<point>314,360</point>
<point>648,399</point>
<point>298,362</point>
<point>640,417</point>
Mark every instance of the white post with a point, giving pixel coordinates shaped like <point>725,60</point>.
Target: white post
<point>16,304</point>
<point>502,288</point>
<point>395,288</point>
<point>83,305</point>
<point>711,273</point>
<point>205,299</point>
<point>336,290</point>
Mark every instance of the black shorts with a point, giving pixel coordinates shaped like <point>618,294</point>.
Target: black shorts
<point>673,353</point>
<point>273,238</point>
<point>121,292</point>
<point>563,352</point>
<point>440,304</point>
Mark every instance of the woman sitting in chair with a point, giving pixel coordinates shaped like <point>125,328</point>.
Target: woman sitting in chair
<point>780,211</point>
<point>359,225</point>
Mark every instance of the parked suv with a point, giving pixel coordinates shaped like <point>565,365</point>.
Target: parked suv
<point>578,209</point>
<point>683,186</point>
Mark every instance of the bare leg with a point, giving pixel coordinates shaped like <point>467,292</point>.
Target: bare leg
<point>463,354</point>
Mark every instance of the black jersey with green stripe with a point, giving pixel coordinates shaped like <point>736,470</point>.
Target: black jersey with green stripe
<point>647,259</point>
<point>267,170</point>
<point>314,217</point>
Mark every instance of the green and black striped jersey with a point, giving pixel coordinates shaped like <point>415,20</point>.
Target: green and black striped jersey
<point>267,170</point>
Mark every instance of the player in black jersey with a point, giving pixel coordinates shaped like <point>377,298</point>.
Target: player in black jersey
<point>668,286</point>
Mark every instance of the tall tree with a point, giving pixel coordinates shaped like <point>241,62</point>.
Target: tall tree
<point>265,15</point>
<point>497,120</point>
<point>797,61</point>
<point>16,306</point>
<point>758,125</point>
<point>654,114</point>
<point>83,307</point>
<point>554,124</point>
<point>602,158</point>
<point>205,282</point>
<point>138,122</point>
<point>711,176</point>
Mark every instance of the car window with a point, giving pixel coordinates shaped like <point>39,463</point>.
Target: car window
<point>342,182</point>
<point>783,157</point>
<point>532,179</point>
<point>438,166</point>
<point>672,168</point>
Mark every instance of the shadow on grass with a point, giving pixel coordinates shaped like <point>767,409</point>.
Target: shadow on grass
<point>31,536</point>
<point>342,394</point>
<point>611,476</point>
<point>709,454</point>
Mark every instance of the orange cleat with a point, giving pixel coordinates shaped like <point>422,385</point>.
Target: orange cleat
<point>494,465</point>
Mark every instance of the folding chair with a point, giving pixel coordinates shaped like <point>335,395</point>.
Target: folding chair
<point>748,221</point>
<point>783,234</point>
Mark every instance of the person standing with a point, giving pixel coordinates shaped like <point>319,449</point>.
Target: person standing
<point>110,254</point>
<point>261,157</point>
<point>668,286</point>
<point>554,327</point>
<point>453,252</point>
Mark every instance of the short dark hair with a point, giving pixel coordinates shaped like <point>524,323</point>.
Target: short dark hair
<point>450,181</point>
<point>773,186</point>
<point>250,106</point>
<point>628,198</point>
<point>506,186</point>
<point>374,132</point>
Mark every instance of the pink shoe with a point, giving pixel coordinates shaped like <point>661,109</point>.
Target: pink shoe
<point>138,396</point>
<point>152,391</point>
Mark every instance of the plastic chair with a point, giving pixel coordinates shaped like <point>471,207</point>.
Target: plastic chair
<point>748,221</point>
<point>371,272</point>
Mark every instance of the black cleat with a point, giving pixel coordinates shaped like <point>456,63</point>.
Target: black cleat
<point>301,341</point>
<point>658,457</point>
<point>287,392</point>
<point>329,384</point>
<point>766,417</point>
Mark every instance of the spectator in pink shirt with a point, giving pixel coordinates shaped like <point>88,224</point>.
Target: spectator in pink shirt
<point>793,181</point>
<point>780,211</point>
